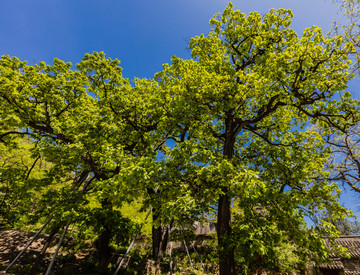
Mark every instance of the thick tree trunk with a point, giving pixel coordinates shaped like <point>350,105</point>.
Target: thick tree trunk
<point>159,236</point>
<point>104,250</point>
<point>103,242</point>
<point>159,243</point>
<point>226,256</point>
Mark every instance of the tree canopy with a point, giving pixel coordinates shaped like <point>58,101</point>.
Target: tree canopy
<point>226,132</point>
<point>252,86</point>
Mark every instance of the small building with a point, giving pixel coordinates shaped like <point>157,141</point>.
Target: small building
<point>340,265</point>
<point>203,228</point>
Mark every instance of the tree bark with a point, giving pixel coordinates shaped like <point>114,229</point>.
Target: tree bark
<point>159,243</point>
<point>104,250</point>
<point>103,242</point>
<point>226,254</point>
<point>159,236</point>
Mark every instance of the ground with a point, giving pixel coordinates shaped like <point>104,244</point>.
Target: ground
<point>13,241</point>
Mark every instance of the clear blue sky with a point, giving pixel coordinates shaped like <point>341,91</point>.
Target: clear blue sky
<point>142,34</point>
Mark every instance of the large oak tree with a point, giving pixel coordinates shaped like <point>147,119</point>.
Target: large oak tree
<point>242,101</point>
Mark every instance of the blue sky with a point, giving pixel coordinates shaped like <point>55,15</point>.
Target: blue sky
<point>142,34</point>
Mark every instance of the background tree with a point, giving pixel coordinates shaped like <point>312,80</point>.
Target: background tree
<point>351,29</point>
<point>344,164</point>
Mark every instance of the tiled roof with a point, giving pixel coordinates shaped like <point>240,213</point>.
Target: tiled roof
<point>352,243</point>
<point>335,264</point>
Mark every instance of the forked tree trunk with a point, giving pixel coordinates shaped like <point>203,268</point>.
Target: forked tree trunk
<point>159,234</point>
<point>159,243</point>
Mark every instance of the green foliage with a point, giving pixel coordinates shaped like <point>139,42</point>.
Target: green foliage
<point>133,212</point>
<point>227,126</point>
<point>23,180</point>
<point>92,220</point>
<point>88,123</point>
<point>238,111</point>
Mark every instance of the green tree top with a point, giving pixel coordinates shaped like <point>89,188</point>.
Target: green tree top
<point>240,105</point>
